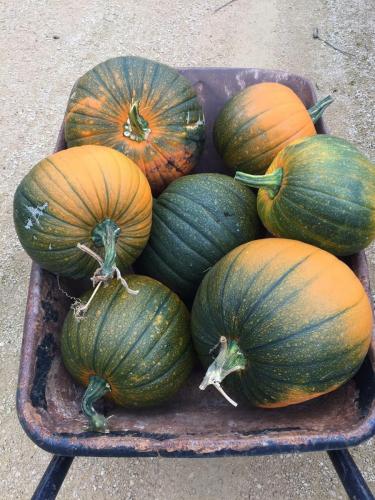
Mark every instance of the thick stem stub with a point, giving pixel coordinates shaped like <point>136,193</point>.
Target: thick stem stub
<point>136,127</point>
<point>318,109</point>
<point>270,182</point>
<point>105,235</point>
<point>95,390</point>
<point>230,359</point>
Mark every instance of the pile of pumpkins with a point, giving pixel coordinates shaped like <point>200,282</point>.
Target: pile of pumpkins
<point>275,320</point>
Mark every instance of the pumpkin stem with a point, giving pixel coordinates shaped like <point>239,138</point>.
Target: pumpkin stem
<point>95,390</point>
<point>136,127</point>
<point>229,359</point>
<point>105,235</point>
<point>318,109</point>
<point>270,182</point>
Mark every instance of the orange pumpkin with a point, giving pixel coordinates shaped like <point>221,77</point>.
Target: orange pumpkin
<point>90,195</point>
<point>259,122</point>
<point>144,109</point>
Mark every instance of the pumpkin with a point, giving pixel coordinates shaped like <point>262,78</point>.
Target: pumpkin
<point>144,109</point>
<point>292,321</point>
<point>320,190</point>
<point>136,349</point>
<point>196,221</point>
<point>89,195</point>
<point>260,121</point>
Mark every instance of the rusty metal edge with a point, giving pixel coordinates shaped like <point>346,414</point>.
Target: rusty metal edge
<point>183,447</point>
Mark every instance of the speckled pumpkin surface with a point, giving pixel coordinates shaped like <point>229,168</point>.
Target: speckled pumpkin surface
<point>320,190</point>
<point>139,344</point>
<point>299,316</point>
<point>260,121</point>
<point>65,199</point>
<point>144,109</point>
<point>196,221</point>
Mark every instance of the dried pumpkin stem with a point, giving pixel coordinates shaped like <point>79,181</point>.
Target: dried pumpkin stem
<point>105,235</point>
<point>318,109</point>
<point>270,182</point>
<point>95,390</point>
<point>230,359</point>
<point>136,127</point>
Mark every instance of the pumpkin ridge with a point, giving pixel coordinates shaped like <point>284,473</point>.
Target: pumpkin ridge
<point>108,123</point>
<point>140,336</point>
<point>274,285</point>
<point>129,328</point>
<point>110,117</point>
<point>165,94</point>
<point>328,221</point>
<point>295,187</point>
<point>290,138</point>
<point>170,322</point>
<point>72,189</point>
<point>206,210</point>
<point>100,327</point>
<point>337,355</point>
<point>252,137</point>
<point>246,124</point>
<point>307,328</point>
<point>168,265</point>
<point>62,207</point>
<point>105,212</point>
<point>184,243</point>
<point>176,212</point>
<point>179,360</point>
<point>286,300</point>
<point>151,88</point>
<point>170,161</point>
<point>105,85</point>
<point>48,214</point>
<point>131,201</point>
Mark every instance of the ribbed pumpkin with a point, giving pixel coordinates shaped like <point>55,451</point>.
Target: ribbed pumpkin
<point>135,348</point>
<point>320,190</point>
<point>260,121</point>
<point>91,195</point>
<point>293,321</point>
<point>144,109</point>
<point>195,222</point>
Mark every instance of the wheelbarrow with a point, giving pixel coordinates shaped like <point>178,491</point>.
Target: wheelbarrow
<point>194,423</point>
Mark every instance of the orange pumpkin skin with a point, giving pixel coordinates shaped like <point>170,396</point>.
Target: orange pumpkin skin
<point>67,196</point>
<point>167,113</point>
<point>259,122</point>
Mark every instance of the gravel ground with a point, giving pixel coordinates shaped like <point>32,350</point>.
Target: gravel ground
<point>45,45</point>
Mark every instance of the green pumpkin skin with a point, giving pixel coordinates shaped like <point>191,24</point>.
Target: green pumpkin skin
<point>299,315</point>
<point>139,344</point>
<point>326,196</point>
<point>196,221</point>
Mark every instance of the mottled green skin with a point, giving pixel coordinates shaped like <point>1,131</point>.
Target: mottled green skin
<point>140,344</point>
<point>295,343</point>
<point>327,195</point>
<point>196,221</point>
<point>98,110</point>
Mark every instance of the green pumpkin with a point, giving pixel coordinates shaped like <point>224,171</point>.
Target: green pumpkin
<point>320,190</point>
<point>144,109</point>
<point>195,222</point>
<point>292,320</point>
<point>136,347</point>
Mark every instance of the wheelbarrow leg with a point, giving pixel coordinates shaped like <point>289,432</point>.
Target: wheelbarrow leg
<point>53,478</point>
<point>350,476</point>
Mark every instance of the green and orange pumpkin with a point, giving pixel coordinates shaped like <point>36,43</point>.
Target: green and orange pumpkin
<point>135,349</point>
<point>293,323</point>
<point>196,221</point>
<point>260,121</point>
<point>90,195</point>
<point>320,190</point>
<point>144,109</point>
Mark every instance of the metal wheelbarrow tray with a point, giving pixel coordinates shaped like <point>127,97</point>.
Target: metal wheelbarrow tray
<point>194,423</point>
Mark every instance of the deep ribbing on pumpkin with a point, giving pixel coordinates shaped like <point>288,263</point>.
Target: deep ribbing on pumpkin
<point>292,320</point>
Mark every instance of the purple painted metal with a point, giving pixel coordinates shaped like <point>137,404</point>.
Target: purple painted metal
<point>195,423</point>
